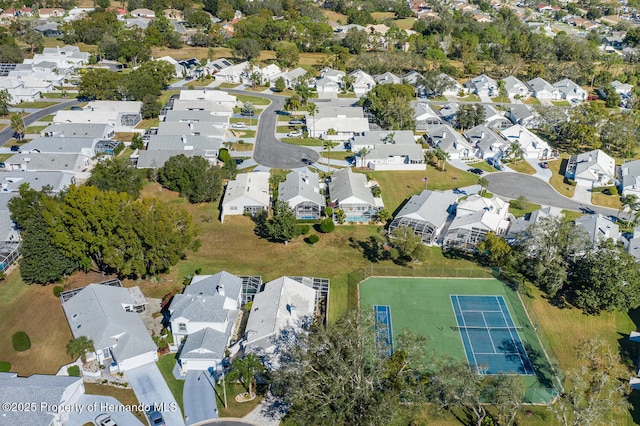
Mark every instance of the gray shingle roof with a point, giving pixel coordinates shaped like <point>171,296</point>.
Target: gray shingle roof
<point>208,284</point>
<point>50,162</point>
<point>485,139</point>
<point>203,299</point>
<point>206,343</point>
<point>301,184</point>
<point>345,184</point>
<point>181,142</point>
<point>197,115</point>
<point>80,130</point>
<point>34,389</point>
<point>11,181</point>
<point>59,145</point>
<point>156,159</point>
<point>377,137</point>
<point>98,313</point>
<point>430,206</point>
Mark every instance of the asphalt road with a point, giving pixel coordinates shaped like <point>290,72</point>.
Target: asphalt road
<point>513,185</point>
<point>270,151</point>
<point>7,133</point>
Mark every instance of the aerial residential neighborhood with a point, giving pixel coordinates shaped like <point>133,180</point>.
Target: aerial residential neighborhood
<point>361,212</point>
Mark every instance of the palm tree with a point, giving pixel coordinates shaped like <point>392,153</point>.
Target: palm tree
<point>244,369</point>
<point>515,151</point>
<point>293,103</point>
<point>442,156</point>
<point>312,109</point>
<point>363,153</point>
<point>249,109</point>
<point>483,182</point>
<point>17,124</point>
<point>629,200</point>
<point>79,346</point>
<point>328,144</point>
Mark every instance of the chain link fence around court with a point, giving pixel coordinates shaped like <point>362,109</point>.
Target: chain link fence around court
<point>534,394</point>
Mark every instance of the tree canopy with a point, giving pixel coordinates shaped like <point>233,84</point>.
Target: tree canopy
<point>193,177</point>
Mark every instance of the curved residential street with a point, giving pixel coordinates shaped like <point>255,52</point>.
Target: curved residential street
<point>270,151</point>
<point>513,185</point>
<point>7,133</point>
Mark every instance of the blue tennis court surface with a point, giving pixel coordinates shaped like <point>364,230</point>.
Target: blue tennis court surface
<point>489,336</point>
<point>384,333</point>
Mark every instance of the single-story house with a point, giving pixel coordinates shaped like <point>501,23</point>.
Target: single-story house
<point>232,73</point>
<point>143,13</point>
<point>373,138</point>
<point>248,193</point>
<point>532,146</point>
<point>362,82</point>
<point>542,89</point>
<point>426,117</point>
<point>623,89</point>
<point>346,122</point>
<point>495,119</point>
<point>79,130</point>
<point>387,78</point>
<point>284,306</point>
<point>327,85</point>
<point>599,227</point>
<point>523,115</point>
<point>394,157</point>
<point>570,90</point>
<point>630,178</point>
<point>351,193</point>
<point>108,315</point>
<point>451,142</point>
<point>488,144</point>
<point>122,115</point>
<point>78,164</point>
<point>302,191</point>
<point>591,169</point>
<point>514,87</point>
<point>483,85</point>
<point>426,214</point>
<point>476,216</point>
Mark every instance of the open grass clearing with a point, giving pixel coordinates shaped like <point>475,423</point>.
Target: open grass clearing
<point>558,168</point>
<point>405,24</point>
<point>381,16</point>
<point>236,409</point>
<point>522,167</point>
<point>36,311</point>
<point>241,147</point>
<point>125,396</point>
<point>335,16</point>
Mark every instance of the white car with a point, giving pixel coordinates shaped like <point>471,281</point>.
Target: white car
<point>239,125</point>
<point>105,420</point>
<point>294,134</point>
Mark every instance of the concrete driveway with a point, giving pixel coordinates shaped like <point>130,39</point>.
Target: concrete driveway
<point>95,405</point>
<point>199,398</point>
<point>150,388</point>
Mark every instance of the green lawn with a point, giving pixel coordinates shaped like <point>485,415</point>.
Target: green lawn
<point>244,133</point>
<point>522,167</point>
<point>501,99</point>
<point>36,104</point>
<point>166,364</point>
<point>47,117</point>
<point>347,95</point>
<point>256,100</point>
<point>35,129</point>
<point>229,85</point>
<point>470,98</point>
<point>398,186</point>
<point>423,306</point>
<point>235,409</point>
<point>303,141</point>
<point>602,199</point>
<point>557,168</point>
<point>3,157</point>
<point>287,129</point>
<point>483,165</point>
<point>560,103</point>
<point>531,101</point>
<point>148,123</point>
<point>526,208</point>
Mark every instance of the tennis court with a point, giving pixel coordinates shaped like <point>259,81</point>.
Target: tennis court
<point>424,307</point>
<point>383,329</point>
<point>490,338</point>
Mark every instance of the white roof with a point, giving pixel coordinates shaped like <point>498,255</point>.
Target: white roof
<point>599,227</point>
<point>592,164</point>
<point>253,186</point>
<point>429,206</point>
<point>527,140</point>
<point>207,95</point>
<point>350,188</point>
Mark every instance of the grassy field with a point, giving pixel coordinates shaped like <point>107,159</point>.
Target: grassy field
<point>165,365</point>
<point>303,141</point>
<point>522,167</point>
<point>557,178</point>
<point>405,24</point>
<point>470,98</point>
<point>148,123</point>
<point>483,165</point>
<point>381,16</point>
<point>423,306</point>
<point>256,100</point>
<point>35,310</point>
<point>526,208</point>
<point>125,396</point>
<point>398,186</point>
<point>335,16</point>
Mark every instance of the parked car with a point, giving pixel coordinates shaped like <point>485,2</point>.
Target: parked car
<point>294,134</point>
<point>295,122</point>
<point>544,165</point>
<point>593,98</point>
<point>76,108</point>
<point>281,112</point>
<point>15,148</point>
<point>476,171</point>
<point>239,125</point>
<point>155,418</point>
<point>105,420</point>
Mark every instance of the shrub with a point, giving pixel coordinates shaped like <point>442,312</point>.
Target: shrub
<point>328,211</point>
<point>21,341</point>
<point>313,238</point>
<point>73,371</point>
<point>57,290</point>
<point>376,191</point>
<point>327,225</point>
<point>5,367</point>
<point>612,191</point>
<point>570,181</point>
<point>304,229</point>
